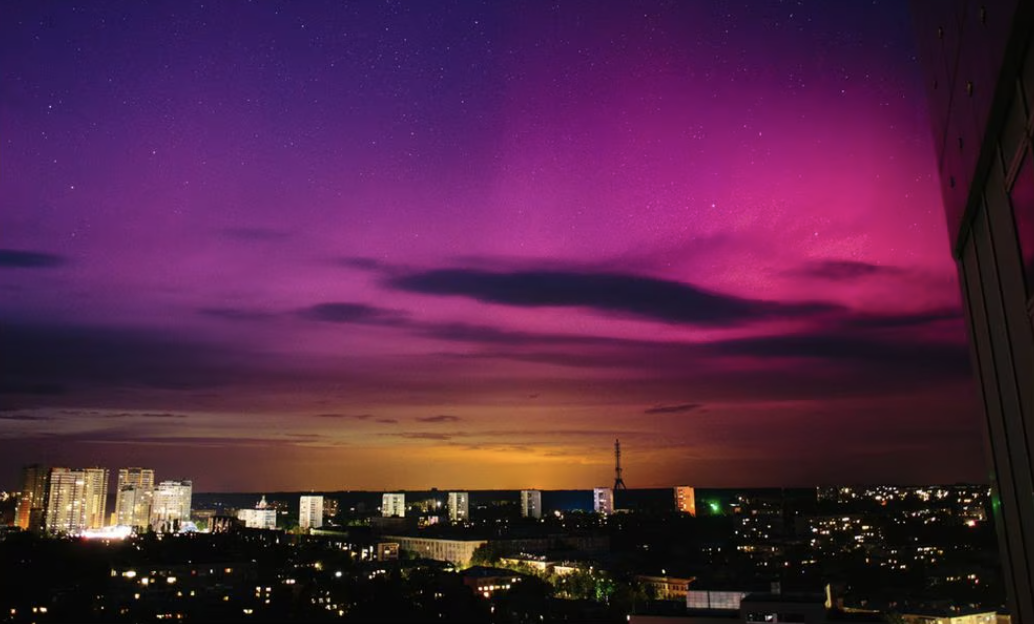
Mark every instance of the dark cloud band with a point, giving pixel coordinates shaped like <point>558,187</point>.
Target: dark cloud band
<point>18,259</point>
<point>612,293</point>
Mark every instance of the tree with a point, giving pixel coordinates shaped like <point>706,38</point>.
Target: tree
<point>486,554</point>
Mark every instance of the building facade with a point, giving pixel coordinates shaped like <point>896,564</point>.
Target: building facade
<point>393,505</point>
<point>665,587</point>
<point>76,500</point>
<point>310,512</point>
<point>459,507</point>
<point>134,496</point>
<point>458,552</point>
<point>603,500</point>
<point>978,63</point>
<point>946,616</point>
<point>531,504</point>
<point>714,600</point>
<point>261,517</point>
<point>171,505</point>
<point>32,500</point>
<point>685,500</point>
<point>386,551</point>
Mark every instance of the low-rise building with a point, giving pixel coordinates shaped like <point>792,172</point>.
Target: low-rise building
<point>665,587</point>
<point>456,551</point>
<point>387,551</point>
<point>950,616</point>
<point>486,581</point>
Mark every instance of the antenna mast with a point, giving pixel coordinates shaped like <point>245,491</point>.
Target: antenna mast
<point>619,483</point>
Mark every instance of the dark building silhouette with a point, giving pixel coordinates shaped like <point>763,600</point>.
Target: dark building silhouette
<point>979,73</point>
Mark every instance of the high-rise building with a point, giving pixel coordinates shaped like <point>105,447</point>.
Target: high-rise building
<point>263,516</point>
<point>33,498</point>
<point>531,504</point>
<point>686,500</point>
<point>134,497</point>
<point>171,505</point>
<point>603,500</point>
<point>978,61</point>
<point>459,507</point>
<point>76,499</point>
<point>393,505</point>
<point>310,512</point>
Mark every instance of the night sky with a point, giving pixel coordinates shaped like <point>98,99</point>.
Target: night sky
<point>458,244</point>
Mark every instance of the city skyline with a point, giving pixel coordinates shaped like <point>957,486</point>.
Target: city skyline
<point>330,247</point>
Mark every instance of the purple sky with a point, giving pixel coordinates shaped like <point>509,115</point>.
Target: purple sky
<point>400,245</point>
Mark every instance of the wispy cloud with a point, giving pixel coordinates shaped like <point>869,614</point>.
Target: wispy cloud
<point>893,321</point>
<point>673,409</point>
<point>361,263</point>
<point>843,270</point>
<point>237,314</point>
<point>424,435</point>
<point>22,259</point>
<point>358,313</point>
<point>162,415</point>
<point>26,417</point>
<point>441,418</point>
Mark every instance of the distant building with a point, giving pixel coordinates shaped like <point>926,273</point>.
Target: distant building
<point>685,500</point>
<point>603,500</point>
<point>531,504</point>
<point>946,616</point>
<point>430,506</point>
<point>134,496</point>
<point>380,524</point>
<point>714,599</point>
<point>261,517</point>
<point>171,506</point>
<point>387,551</point>
<point>76,499</point>
<point>133,506</point>
<point>310,512</point>
<point>33,499</point>
<point>486,581</point>
<point>665,587</point>
<point>459,507</point>
<point>393,504</point>
<point>785,607</point>
<point>979,73</point>
<point>224,524</point>
<point>202,518</point>
<point>455,551</point>
<point>539,563</point>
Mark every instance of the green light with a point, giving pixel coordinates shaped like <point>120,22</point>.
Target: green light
<point>714,506</point>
